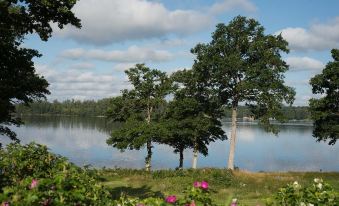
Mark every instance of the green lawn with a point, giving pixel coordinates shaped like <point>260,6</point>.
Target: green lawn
<point>249,188</point>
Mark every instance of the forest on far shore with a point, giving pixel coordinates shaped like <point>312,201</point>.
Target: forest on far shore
<point>92,108</point>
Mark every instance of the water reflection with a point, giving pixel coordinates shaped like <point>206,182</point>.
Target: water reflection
<point>83,141</point>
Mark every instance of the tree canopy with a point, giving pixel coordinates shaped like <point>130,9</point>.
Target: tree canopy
<point>140,110</point>
<point>18,79</point>
<point>190,120</point>
<point>245,65</point>
<point>325,110</point>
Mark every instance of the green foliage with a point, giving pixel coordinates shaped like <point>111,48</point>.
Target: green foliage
<point>245,65</point>
<point>140,110</point>
<point>192,118</point>
<point>192,196</point>
<point>19,18</point>
<point>290,112</point>
<point>103,107</point>
<point>68,107</point>
<point>317,194</point>
<point>189,127</point>
<point>30,175</point>
<point>325,110</point>
<point>19,82</point>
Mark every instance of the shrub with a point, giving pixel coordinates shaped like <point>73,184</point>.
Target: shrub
<point>317,194</point>
<point>30,175</point>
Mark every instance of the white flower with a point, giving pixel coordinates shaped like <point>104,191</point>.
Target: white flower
<point>296,185</point>
<point>234,200</point>
<point>302,204</point>
<point>310,204</point>
<point>319,185</point>
<point>318,180</point>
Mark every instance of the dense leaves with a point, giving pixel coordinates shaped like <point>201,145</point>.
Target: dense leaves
<point>18,79</point>
<point>325,110</point>
<point>245,65</point>
<point>31,175</point>
<point>317,194</point>
<point>18,82</point>
<point>140,109</point>
<point>191,121</point>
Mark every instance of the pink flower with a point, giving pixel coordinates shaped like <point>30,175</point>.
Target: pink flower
<point>140,204</point>
<point>5,204</point>
<point>197,184</point>
<point>33,184</point>
<point>234,202</point>
<point>204,185</point>
<point>171,199</point>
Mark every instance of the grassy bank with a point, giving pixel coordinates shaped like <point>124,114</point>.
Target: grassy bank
<point>249,188</point>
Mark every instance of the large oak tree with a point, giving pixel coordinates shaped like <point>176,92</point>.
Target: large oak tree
<point>325,110</point>
<point>140,110</point>
<point>192,119</point>
<point>18,79</point>
<point>244,65</point>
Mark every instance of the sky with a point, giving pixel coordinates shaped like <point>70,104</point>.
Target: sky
<point>89,63</point>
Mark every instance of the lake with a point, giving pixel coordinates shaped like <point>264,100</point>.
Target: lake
<point>83,141</point>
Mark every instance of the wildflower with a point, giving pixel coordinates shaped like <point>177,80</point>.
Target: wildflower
<point>318,180</point>
<point>234,202</point>
<point>320,186</point>
<point>302,204</point>
<point>310,204</point>
<point>204,185</point>
<point>171,199</point>
<point>197,184</point>
<point>5,204</point>
<point>33,184</point>
<point>140,204</point>
<point>296,185</point>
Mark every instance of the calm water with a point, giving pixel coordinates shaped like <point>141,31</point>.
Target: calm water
<point>83,141</point>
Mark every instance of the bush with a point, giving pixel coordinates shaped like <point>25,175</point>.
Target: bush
<point>30,175</point>
<point>317,194</point>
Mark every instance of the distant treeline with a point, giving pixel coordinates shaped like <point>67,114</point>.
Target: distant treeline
<point>291,113</point>
<point>99,108</point>
<point>68,107</point>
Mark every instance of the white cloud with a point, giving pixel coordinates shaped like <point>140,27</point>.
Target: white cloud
<point>317,37</point>
<point>132,54</point>
<point>111,21</point>
<point>227,5</point>
<point>123,66</point>
<point>76,84</point>
<point>304,63</point>
<point>82,66</point>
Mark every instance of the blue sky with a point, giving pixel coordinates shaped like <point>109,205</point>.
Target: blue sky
<point>116,34</point>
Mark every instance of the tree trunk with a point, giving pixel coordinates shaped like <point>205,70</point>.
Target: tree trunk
<point>233,139</point>
<point>181,159</point>
<point>195,155</point>
<point>148,157</point>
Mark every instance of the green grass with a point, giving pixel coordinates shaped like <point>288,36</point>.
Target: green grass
<point>249,188</point>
